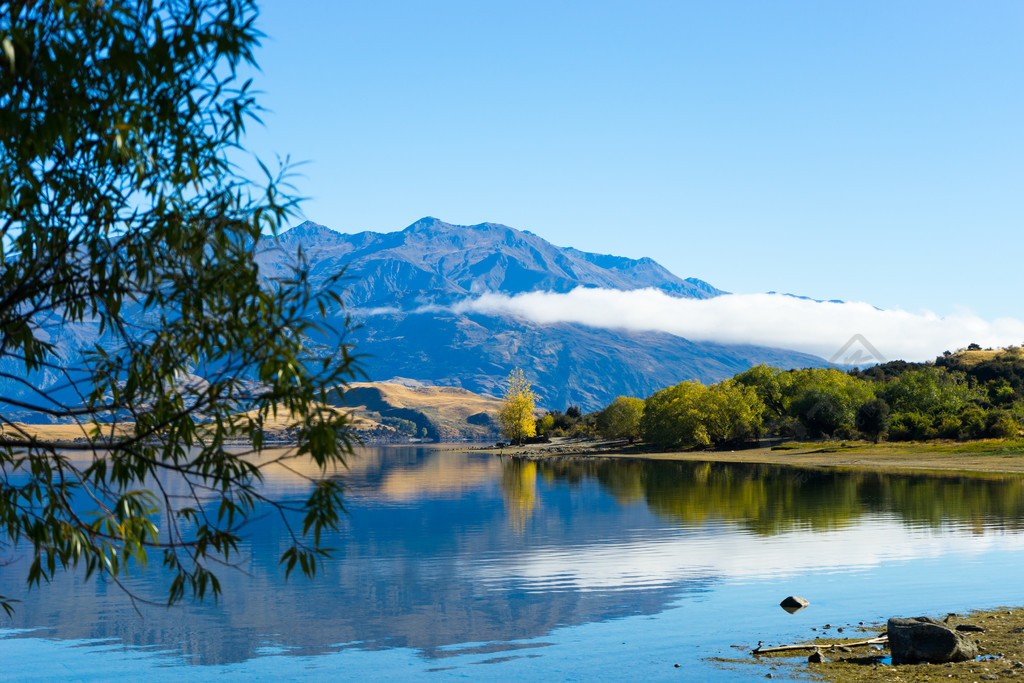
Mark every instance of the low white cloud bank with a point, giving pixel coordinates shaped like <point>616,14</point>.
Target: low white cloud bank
<point>855,333</point>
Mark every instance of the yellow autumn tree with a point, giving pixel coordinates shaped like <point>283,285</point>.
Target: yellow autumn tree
<point>516,413</point>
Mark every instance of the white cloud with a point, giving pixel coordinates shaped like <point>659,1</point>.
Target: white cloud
<point>821,328</point>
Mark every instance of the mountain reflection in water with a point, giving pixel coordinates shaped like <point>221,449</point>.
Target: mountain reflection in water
<point>442,549</point>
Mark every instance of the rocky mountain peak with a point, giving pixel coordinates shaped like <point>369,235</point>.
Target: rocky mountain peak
<point>439,262</point>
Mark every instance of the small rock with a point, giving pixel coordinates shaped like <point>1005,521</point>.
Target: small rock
<point>794,604</point>
<point>969,628</point>
<point>989,677</point>
<point>816,657</point>
<point>677,666</point>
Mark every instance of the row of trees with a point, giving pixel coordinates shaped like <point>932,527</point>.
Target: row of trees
<point>951,398</point>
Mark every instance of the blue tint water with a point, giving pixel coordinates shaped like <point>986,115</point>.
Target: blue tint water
<point>463,565</point>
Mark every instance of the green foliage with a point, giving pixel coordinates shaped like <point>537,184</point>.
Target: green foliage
<point>671,417</point>
<point>826,400</point>
<point>621,419</point>
<point>1002,425</point>
<point>546,424</point>
<point>949,427</point>
<point>479,419</point>
<point>968,395</point>
<point>118,126</point>
<point>733,413</point>
<point>873,418</point>
<point>773,386</point>
<point>823,411</point>
<point>931,391</point>
<point>1001,393</point>
<point>691,415</point>
<point>401,425</point>
<point>516,412</point>
<point>912,426</point>
<point>973,422</point>
<point>570,423</point>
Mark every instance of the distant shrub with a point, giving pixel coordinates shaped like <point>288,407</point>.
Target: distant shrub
<point>973,423</point>
<point>912,426</point>
<point>873,418</point>
<point>950,427</point>
<point>479,419</point>
<point>621,419</point>
<point>1001,425</point>
<point>546,425</point>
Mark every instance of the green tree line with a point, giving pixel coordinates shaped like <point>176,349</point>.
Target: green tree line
<point>971,394</point>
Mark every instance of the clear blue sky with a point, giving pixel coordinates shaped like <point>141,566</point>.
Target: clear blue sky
<point>868,151</point>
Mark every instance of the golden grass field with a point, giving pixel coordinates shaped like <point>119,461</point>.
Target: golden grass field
<point>447,408</point>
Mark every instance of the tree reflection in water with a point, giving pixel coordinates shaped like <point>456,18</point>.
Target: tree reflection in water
<point>771,499</point>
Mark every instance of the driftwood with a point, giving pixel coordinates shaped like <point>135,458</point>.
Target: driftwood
<point>879,640</point>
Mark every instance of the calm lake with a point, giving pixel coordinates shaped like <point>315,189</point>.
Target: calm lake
<point>467,565</point>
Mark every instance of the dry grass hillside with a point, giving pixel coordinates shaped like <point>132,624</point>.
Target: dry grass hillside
<point>973,357</point>
<point>444,413</point>
<point>378,412</point>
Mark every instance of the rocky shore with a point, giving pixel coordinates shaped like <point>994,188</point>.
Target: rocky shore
<point>997,635</point>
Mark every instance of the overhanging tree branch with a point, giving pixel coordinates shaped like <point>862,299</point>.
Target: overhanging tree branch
<point>131,304</point>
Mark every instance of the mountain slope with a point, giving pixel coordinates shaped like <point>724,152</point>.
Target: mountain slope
<point>433,262</point>
<point>568,364</point>
<point>403,285</point>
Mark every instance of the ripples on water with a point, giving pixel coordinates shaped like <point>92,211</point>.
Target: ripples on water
<point>473,559</point>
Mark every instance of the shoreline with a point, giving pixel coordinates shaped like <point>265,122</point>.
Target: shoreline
<point>977,457</point>
<point>984,457</point>
<point>1000,645</point>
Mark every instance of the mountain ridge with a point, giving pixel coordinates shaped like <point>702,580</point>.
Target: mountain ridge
<point>404,286</point>
<point>452,262</point>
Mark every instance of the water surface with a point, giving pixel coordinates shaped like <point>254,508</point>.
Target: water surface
<point>459,564</point>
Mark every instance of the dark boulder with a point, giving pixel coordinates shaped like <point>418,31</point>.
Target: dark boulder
<point>923,639</point>
<point>793,604</point>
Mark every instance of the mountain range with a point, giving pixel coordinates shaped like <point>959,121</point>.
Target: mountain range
<point>433,262</point>
<point>403,287</point>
